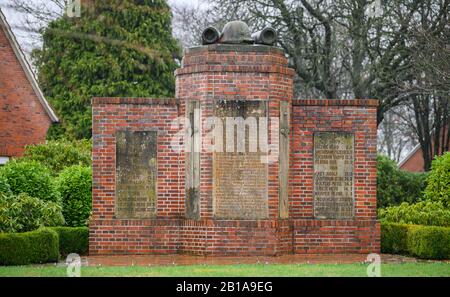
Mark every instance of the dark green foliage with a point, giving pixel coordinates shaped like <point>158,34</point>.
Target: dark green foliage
<point>438,188</point>
<point>30,177</point>
<point>429,242</point>
<point>412,186</point>
<point>5,189</point>
<point>73,240</point>
<point>395,186</point>
<point>421,213</point>
<point>39,246</point>
<point>23,213</point>
<point>117,48</point>
<point>75,185</point>
<point>394,238</point>
<point>57,155</point>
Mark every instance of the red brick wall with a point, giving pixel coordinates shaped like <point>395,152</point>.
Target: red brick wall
<point>227,72</point>
<point>414,163</point>
<point>111,235</point>
<point>23,120</point>
<point>356,116</point>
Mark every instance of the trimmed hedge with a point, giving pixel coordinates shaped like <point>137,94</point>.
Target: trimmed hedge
<point>394,238</point>
<point>427,242</point>
<point>39,246</point>
<point>73,240</point>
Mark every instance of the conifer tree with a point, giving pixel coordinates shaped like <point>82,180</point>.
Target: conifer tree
<point>116,48</point>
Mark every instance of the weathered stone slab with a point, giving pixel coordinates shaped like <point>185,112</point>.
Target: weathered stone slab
<point>136,174</point>
<point>240,176</point>
<point>283,193</point>
<point>333,175</point>
<point>192,159</point>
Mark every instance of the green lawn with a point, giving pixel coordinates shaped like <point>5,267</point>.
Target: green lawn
<point>405,269</point>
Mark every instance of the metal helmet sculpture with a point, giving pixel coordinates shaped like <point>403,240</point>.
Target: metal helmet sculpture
<point>237,32</point>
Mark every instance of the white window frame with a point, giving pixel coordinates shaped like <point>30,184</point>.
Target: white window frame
<point>3,160</point>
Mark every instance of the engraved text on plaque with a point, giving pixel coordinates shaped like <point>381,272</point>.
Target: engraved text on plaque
<point>136,174</point>
<point>333,175</point>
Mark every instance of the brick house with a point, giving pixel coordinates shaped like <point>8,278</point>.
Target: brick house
<point>25,114</point>
<point>413,162</point>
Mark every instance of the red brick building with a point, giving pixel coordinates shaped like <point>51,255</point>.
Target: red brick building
<point>413,162</point>
<point>152,194</point>
<point>25,115</point>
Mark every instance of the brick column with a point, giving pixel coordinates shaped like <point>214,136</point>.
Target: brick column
<point>234,72</point>
<point>360,233</point>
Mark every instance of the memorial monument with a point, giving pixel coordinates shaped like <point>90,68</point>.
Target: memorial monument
<point>234,165</point>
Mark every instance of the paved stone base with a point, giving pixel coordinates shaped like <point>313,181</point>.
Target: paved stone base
<point>157,260</point>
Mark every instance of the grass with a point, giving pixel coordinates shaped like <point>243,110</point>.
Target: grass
<point>404,269</point>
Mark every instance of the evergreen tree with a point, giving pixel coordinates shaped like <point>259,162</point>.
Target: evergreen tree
<point>117,48</point>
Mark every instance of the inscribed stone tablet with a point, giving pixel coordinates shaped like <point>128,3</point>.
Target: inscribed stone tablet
<point>136,174</point>
<point>240,176</point>
<point>333,175</point>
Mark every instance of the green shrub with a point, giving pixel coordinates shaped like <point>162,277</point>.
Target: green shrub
<point>39,246</point>
<point>412,185</point>
<point>75,185</point>
<point>24,213</point>
<point>59,154</point>
<point>395,186</point>
<point>429,242</point>
<point>73,240</point>
<point>422,213</point>
<point>438,187</point>
<point>5,189</point>
<point>30,177</point>
<point>394,238</point>
<point>387,180</point>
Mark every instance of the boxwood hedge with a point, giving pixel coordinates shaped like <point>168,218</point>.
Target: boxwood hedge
<point>44,245</point>
<point>427,242</point>
<point>39,246</point>
<point>73,240</point>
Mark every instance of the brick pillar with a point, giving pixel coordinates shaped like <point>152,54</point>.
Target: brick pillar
<point>359,233</point>
<point>234,72</point>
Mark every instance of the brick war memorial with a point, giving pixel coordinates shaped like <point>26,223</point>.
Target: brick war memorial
<point>234,165</point>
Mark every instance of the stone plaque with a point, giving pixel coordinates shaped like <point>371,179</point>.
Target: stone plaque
<point>240,175</point>
<point>333,175</point>
<point>192,160</point>
<point>136,174</point>
<point>283,167</point>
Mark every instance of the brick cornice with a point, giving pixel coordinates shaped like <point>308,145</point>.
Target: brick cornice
<point>135,101</point>
<point>235,68</point>
<point>254,48</point>
<point>336,102</point>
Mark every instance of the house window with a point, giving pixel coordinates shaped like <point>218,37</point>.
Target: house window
<point>3,160</point>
